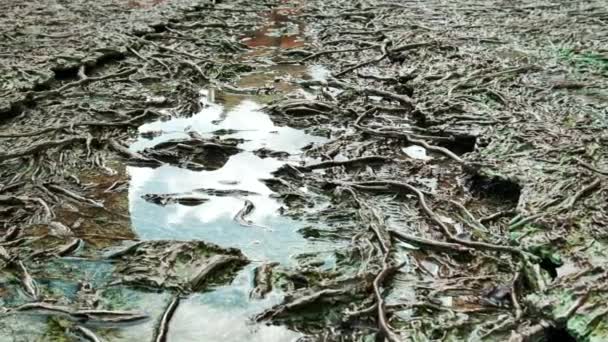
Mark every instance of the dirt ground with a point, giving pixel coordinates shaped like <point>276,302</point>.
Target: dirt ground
<point>457,179</point>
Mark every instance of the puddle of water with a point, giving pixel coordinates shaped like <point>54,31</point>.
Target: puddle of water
<point>281,31</point>
<point>227,309</point>
<point>224,312</point>
<point>246,118</point>
<point>213,220</point>
<point>230,309</point>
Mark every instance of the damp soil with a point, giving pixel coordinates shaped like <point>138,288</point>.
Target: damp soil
<point>189,170</point>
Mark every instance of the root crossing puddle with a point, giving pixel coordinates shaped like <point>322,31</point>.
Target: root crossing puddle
<point>229,206</point>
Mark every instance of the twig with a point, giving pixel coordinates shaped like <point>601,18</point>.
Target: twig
<point>411,138</point>
<point>163,327</point>
<point>329,52</point>
<point>496,215</point>
<point>130,122</point>
<point>101,316</point>
<point>88,334</point>
<point>569,202</point>
<point>404,100</point>
<point>433,216</point>
<point>514,301</point>
<point>74,196</point>
<point>334,163</point>
<point>40,147</point>
<point>360,65</point>
<point>382,322</point>
<point>592,168</point>
<point>83,81</point>
<point>427,242</point>
<point>28,282</point>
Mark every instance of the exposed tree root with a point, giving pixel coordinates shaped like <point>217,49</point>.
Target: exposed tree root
<point>163,326</point>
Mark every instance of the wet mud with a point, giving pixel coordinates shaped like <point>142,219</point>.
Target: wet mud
<point>303,171</point>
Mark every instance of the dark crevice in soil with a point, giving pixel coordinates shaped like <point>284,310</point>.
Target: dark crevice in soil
<point>495,188</point>
<point>41,86</point>
<point>11,111</point>
<point>66,74</point>
<point>105,59</point>
<point>558,334</point>
<point>549,266</point>
<point>461,145</point>
<point>160,27</point>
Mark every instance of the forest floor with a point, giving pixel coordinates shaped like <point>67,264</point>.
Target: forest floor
<point>189,170</point>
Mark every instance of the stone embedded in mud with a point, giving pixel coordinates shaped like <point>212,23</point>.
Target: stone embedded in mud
<point>150,134</point>
<point>265,153</point>
<point>225,192</point>
<point>192,198</point>
<point>184,199</point>
<point>181,265</point>
<point>194,154</point>
<point>262,280</point>
<point>301,108</point>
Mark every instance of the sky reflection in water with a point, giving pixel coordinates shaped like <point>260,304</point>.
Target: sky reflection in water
<point>224,313</point>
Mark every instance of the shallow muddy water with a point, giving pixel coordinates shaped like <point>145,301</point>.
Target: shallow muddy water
<point>213,220</point>
<point>223,314</point>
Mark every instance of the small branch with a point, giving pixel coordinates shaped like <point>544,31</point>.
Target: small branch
<point>73,195</point>
<point>411,138</point>
<point>84,81</point>
<point>130,122</point>
<point>433,216</point>
<point>361,65</point>
<point>592,168</point>
<point>404,100</point>
<point>88,334</point>
<point>28,282</point>
<point>329,52</point>
<point>334,163</point>
<point>514,301</point>
<point>569,202</point>
<point>427,242</point>
<point>382,321</point>
<point>40,147</point>
<point>439,149</point>
<point>163,327</point>
<point>496,215</point>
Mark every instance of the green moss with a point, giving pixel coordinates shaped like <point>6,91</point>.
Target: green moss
<point>56,330</point>
<point>547,252</point>
<point>583,60</point>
